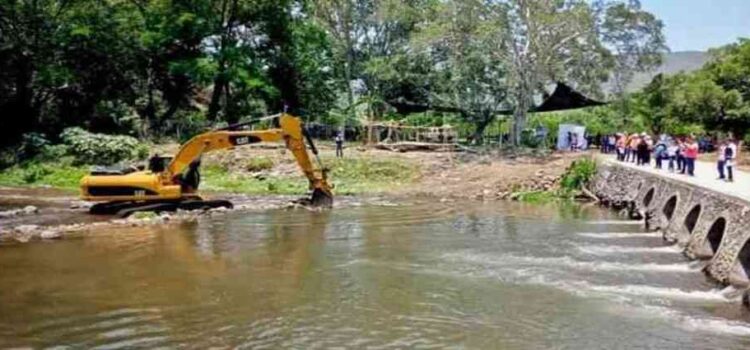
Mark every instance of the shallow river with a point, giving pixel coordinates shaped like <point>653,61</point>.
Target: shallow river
<point>466,275</point>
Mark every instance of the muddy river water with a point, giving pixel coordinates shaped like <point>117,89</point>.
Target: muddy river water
<point>453,275</point>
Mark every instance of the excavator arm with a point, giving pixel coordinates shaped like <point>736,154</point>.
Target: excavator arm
<point>290,131</point>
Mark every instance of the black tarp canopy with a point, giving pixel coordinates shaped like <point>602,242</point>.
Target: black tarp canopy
<point>563,98</point>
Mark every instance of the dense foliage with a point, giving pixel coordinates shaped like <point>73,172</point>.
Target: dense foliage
<point>156,67</point>
<point>90,148</point>
<point>578,175</point>
<point>714,99</point>
<point>153,68</point>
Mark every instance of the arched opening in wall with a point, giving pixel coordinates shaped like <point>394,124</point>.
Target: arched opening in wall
<point>648,197</point>
<point>716,233</point>
<point>692,218</point>
<point>669,207</point>
<point>744,257</point>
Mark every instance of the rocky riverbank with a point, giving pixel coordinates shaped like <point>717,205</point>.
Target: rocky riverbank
<point>29,213</point>
<point>26,226</point>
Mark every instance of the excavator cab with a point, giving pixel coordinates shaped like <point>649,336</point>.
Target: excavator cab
<point>191,178</point>
<point>157,163</point>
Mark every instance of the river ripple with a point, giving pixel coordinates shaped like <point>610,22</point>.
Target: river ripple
<point>453,275</point>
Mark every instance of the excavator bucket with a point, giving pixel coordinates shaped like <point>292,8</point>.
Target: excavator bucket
<point>321,199</point>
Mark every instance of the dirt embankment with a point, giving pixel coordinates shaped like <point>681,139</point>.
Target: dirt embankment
<point>29,213</point>
<point>440,174</point>
<point>488,177</point>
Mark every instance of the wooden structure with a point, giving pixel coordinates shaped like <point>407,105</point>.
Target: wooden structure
<point>394,136</point>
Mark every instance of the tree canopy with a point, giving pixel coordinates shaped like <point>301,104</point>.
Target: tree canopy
<point>155,68</point>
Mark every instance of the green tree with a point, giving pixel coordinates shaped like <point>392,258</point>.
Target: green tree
<point>370,42</point>
<point>66,63</point>
<point>547,40</point>
<point>459,40</point>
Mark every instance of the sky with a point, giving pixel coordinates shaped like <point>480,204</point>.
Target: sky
<point>697,25</point>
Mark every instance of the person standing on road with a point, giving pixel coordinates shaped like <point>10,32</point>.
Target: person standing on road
<point>721,159</point>
<point>730,152</point>
<point>672,150</point>
<point>649,149</point>
<point>660,151</point>
<point>620,147</point>
<point>627,139</point>
<point>642,152</point>
<point>340,145</point>
<point>635,140</point>
<point>691,154</point>
<point>681,155</point>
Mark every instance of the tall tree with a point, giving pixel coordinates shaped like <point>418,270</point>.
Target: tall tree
<point>342,19</point>
<point>370,40</point>
<point>460,40</point>
<point>65,63</point>
<point>633,36</point>
<point>550,40</point>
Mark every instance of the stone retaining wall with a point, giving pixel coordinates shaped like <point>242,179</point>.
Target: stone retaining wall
<point>671,206</point>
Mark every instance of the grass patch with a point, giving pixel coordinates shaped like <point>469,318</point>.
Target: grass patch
<point>362,175</point>
<point>259,164</point>
<point>45,174</point>
<point>217,178</point>
<point>349,175</point>
<point>537,197</point>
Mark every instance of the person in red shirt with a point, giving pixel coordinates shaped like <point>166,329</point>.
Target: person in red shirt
<point>691,154</point>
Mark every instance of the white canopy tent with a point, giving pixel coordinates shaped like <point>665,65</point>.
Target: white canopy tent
<point>567,132</point>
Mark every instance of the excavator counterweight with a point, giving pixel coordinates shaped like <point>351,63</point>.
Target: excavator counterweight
<point>172,183</point>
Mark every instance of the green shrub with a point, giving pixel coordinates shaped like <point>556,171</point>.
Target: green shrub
<point>7,157</point>
<point>188,125</point>
<point>32,144</point>
<point>34,173</point>
<point>90,148</point>
<point>259,164</point>
<point>47,174</point>
<point>536,197</point>
<point>142,151</point>
<point>578,175</point>
<point>53,153</point>
<point>529,138</point>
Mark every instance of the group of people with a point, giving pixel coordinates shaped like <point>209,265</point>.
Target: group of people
<point>680,153</point>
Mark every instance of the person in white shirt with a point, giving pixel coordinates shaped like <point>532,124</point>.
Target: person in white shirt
<point>730,153</point>
<point>340,144</point>
<point>721,160</point>
<point>672,148</point>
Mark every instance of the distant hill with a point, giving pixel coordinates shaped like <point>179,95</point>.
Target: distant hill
<point>674,62</point>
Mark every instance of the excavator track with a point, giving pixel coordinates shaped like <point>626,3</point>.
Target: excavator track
<point>125,209</point>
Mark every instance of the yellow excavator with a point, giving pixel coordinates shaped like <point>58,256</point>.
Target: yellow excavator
<point>171,183</point>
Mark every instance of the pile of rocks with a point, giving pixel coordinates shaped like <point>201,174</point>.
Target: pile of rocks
<point>27,210</point>
<point>541,182</point>
<point>25,233</point>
